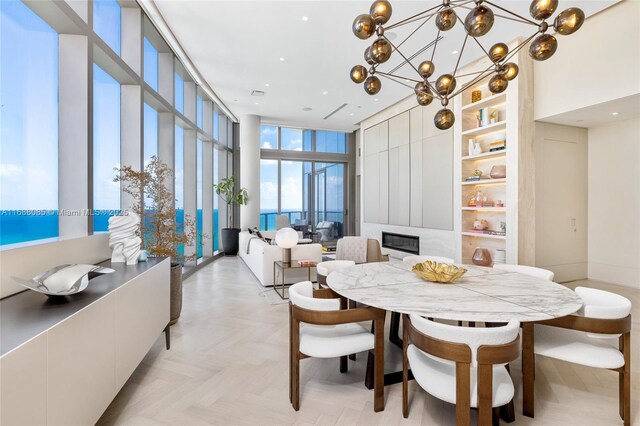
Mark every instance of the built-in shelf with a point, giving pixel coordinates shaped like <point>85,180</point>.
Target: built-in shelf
<point>500,125</point>
<point>484,209</point>
<point>489,102</point>
<point>484,155</point>
<point>489,236</point>
<point>501,181</point>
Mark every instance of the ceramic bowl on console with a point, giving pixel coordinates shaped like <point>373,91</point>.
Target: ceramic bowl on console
<point>63,280</point>
<point>443,273</point>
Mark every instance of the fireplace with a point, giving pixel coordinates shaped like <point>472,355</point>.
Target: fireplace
<point>405,243</point>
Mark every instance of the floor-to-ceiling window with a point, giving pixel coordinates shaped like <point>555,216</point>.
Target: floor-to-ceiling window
<point>107,22</point>
<point>133,101</point>
<point>216,200</point>
<point>269,194</point>
<point>310,191</point>
<point>199,228</point>
<point>179,181</point>
<point>29,129</point>
<point>106,148</point>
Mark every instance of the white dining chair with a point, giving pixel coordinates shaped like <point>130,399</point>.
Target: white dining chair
<point>321,327</point>
<point>412,260</point>
<point>597,336</point>
<point>323,269</point>
<point>460,365</point>
<point>543,274</point>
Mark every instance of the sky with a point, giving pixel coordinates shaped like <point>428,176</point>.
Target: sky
<point>29,114</point>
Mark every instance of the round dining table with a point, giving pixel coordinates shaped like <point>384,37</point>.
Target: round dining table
<point>480,295</point>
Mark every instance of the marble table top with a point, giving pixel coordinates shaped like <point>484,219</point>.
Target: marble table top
<point>482,294</point>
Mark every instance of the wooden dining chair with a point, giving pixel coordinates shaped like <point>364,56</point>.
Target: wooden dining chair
<point>321,327</point>
<point>460,365</point>
<point>599,336</point>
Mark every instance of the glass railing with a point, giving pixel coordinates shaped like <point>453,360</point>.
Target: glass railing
<point>268,220</point>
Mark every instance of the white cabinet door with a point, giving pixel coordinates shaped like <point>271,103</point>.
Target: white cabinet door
<point>136,333</point>
<point>371,188</point>
<point>383,206</point>
<point>23,378</point>
<point>399,130</point>
<point>399,186</point>
<point>81,365</point>
<point>415,202</point>
<point>437,181</point>
<point>415,124</point>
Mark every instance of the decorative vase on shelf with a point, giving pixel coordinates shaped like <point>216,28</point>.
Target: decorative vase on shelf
<point>476,95</point>
<point>481,257</point>
<point>498,171</point>
<point>477,149</point>
<point>471,145</point>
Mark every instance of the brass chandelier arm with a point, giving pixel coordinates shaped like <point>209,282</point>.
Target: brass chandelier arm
<point>406,20</point>
<point>520,46</point>
<point>415,55</point>
<point>395,79</point>
<point>413,66</point>
<point>417,28</point>
<point>433,54</point>
<point>464,43</point>
<point>386,74</point>
<point>510,18</point>
<point>512,13</point>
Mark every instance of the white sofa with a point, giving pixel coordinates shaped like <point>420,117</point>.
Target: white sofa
<point>259,257</point>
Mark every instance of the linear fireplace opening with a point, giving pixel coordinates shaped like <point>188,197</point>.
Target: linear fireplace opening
<point>400,242</point>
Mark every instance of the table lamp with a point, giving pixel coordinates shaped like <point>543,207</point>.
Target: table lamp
<point>286,238</point>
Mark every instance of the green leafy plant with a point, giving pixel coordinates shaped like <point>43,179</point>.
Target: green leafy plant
<point>226,189</point>
<point>159,232</point>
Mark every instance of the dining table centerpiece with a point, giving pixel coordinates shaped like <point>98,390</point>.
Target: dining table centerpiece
<point>436,272</point>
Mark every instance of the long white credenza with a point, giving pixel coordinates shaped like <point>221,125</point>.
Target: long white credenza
<point>63,361</point>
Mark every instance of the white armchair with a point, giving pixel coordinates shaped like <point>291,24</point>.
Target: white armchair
<point>464,366</point>
<point>598,336</point>
<point>323,269</point>
<point>320,327</point>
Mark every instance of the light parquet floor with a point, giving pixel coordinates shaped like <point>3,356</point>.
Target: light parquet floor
<point>228,365</point>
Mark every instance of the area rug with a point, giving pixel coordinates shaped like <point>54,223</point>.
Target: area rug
<point>270,295</point>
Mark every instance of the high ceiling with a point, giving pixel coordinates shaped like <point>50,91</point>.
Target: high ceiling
<point>238,45</point>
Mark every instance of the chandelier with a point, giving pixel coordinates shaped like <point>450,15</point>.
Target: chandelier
<point>478,22</point>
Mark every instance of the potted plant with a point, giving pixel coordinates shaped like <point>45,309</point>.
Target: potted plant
<point>159,230</point>
<point>229,236</point>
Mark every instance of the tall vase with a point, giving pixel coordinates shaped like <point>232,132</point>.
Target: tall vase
<point>176,293</point>
<point>471,146</point>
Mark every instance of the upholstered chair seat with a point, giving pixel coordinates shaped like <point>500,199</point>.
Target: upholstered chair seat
<point>526,270</point>
<point>323,269</point>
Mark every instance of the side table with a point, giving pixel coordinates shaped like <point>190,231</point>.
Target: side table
<point>283,266</point>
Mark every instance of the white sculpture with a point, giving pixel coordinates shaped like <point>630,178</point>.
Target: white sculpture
<point>123,241</point>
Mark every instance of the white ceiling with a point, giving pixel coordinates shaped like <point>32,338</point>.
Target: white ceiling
<point>237,46</point>
<point>600,114</point>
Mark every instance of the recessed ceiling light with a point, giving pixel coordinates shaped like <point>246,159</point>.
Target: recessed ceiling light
<point>235,100</point>
<point>305,18</point>
<point>281,59</point>
<point>359,106</point>
<point>325,93</point>
<point>375,100</point>
<point>257,103</point>
<point>615,113</point>
<point>351,114</point>
<point>454,52</point>
<point>307,109</point>
<point>266,84</point>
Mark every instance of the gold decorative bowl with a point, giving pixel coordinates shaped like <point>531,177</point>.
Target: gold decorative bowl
<point>438,272</point>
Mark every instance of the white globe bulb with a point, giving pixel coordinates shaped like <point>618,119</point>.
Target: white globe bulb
<point>287,238</point>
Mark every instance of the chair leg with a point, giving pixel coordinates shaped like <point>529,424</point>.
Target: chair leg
<point>496,416</point>
<point>624,380</point>
<point>463,399</point>
<point>295,382</point>
<point>405,369</point>
<point>528,370</point>
<point>378,379</point>
<point>343,364</point>
<point>394,329</point>
<point>167,336</point>
<point>485,391</point>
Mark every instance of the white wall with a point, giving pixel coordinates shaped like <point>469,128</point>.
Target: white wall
<point>599,63</point>
<point>614,203</point>
<point>250,170</point>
